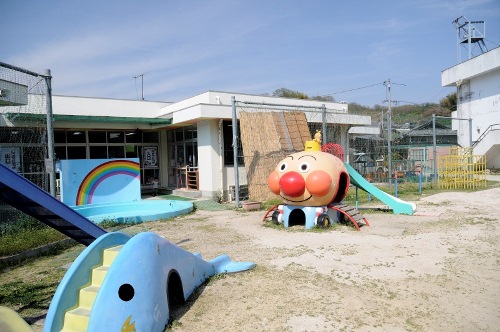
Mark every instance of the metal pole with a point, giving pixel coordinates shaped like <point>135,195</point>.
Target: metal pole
<point>323,110</point>
<point>470,135</point>
<point>420,182</point>
<point>389,130</point>
<point>235,157</point>
<point>434,173</point>
<point>356,197</point>
<point>469,41</point>
<point>395,184</point>
<point>348,147</point>
<point>50,162</point>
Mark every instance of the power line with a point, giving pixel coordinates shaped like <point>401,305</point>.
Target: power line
<point>363,87</point>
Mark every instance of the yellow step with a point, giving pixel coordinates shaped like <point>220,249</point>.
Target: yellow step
<point>109,255</point>
<point>98,274</point>
<point>87,296</point>
<point>77,319</point>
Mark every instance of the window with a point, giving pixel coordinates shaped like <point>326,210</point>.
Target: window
<point>150,137</point>
<point>60,152</point>
<point>105,144</point>
<point>116,151</point>
<point>75,136</point>
<point>131,151</point>
<point>97,137</point>
<point>133,136</point>
<point>98,152</point>
<point>116,137</point>
<point>77,152</point>
<point>227,131</point>
<point>59,136</point>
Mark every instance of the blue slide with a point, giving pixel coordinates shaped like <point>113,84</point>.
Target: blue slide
<point>124,283</point>
<point>397,205</point>
<point>34,201</point>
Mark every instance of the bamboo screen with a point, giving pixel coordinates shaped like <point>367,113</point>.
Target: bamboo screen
<point>266,138</point>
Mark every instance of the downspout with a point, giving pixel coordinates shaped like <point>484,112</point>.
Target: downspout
<point>221,162</point>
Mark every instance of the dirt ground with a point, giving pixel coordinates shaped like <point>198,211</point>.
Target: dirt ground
<point>438,270</point>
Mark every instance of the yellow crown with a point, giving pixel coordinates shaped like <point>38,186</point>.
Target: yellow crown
<point>312,146</point>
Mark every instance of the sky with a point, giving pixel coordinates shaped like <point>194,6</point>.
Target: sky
<point>167,50</point>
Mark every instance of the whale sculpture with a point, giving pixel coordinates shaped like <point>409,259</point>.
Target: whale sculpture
<point>124,283</point>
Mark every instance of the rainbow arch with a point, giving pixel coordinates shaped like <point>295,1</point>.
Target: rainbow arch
<point>100,173</point>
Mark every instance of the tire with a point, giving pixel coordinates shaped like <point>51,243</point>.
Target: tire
<point>275,217</point>
<point>323,221</point>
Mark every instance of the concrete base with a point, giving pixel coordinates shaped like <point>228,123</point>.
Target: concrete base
<point>186,193</point>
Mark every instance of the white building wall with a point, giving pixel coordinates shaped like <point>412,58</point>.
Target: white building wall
<point>478,99</point>
<point>106,107</point>
<point>210,175</point>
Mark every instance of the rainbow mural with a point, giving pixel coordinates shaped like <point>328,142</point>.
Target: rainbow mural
<point>100,173</point>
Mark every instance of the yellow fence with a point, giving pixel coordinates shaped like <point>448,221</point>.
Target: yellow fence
<point>461,170</point>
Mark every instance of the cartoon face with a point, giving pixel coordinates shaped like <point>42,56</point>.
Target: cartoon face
<point>310,178</point>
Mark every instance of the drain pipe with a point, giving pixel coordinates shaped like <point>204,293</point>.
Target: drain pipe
<point>235,152</point>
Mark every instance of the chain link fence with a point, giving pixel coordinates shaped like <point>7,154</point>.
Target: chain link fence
<point>268,133</point>
<point>23,134</point>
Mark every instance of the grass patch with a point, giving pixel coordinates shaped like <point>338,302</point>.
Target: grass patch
<point>28,289</point>
<point>24,240</point>
<point>175,198</point>
<point>266,205</point>
<point>23,295</point>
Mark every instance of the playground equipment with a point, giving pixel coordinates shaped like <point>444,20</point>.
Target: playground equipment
<point>32,200</point>
<point>119,282</point>
<point>461,169</point>
<point>397,205</point>
<point>312,185</point>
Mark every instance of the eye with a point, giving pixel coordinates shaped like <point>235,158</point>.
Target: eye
<point>282,167</point>
<point>126,292</point>
<point>304,167</point>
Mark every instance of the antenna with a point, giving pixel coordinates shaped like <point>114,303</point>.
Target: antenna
<point>142,83</point>
<point>470,33</point>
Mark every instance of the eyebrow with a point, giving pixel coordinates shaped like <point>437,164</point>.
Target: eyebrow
<point>290,156</point>
<point>307,155</point>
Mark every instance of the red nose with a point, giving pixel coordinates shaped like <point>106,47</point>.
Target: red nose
<point>292,184</point>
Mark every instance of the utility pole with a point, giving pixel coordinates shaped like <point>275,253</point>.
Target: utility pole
<point>389,128</point>
<point>142,84</point>
<point>50,162</point>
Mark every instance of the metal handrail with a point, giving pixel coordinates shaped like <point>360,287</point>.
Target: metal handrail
<point>483,135</point>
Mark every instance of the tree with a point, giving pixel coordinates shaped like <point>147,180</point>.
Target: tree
<point>449,102</point>
<point>287,93</point>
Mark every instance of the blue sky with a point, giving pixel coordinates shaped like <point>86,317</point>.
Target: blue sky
<point>94,48</point>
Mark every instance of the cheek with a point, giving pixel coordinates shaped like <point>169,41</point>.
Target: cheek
<point>273,181</point>
<point>319,183</point>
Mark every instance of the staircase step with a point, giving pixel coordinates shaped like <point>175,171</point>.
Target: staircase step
<point>357,216</point>
<point>110,254</point>
<point>87,296</point>
<point>98,274</point>
<point>76,320</point>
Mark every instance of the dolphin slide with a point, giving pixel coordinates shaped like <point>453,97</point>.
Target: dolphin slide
<point>123,283</point>
<point>34,201</point>
<point>397,205</point>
